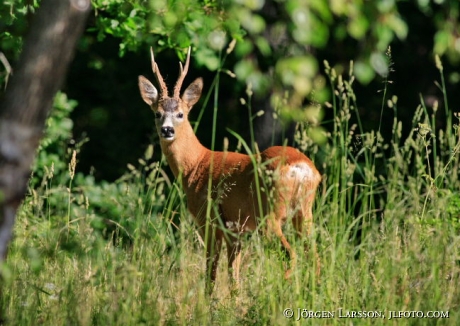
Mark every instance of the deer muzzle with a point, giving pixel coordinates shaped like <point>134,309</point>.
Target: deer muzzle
<point>167,132</point>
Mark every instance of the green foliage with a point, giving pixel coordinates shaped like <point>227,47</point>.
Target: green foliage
<point>278,32</point>
<point>14,16</point>
<point>53,150</point>
<point>125,20</point>
<point>62,196</point>
<point>453,206</point>
<point>13,24</point>
<point>128,208</point>
<point>446,20</point>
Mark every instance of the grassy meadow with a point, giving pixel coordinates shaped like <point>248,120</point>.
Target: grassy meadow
<point>386,229</point>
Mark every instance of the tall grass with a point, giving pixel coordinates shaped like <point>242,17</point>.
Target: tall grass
<point>386,229</point>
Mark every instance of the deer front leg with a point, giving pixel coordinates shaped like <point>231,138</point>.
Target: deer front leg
<point>213,247</point>
<point>234,262</point>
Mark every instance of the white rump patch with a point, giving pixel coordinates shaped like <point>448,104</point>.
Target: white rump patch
<point>301,171</point>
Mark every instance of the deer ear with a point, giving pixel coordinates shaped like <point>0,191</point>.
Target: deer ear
<point>148,92</point>
<point>193,92</point>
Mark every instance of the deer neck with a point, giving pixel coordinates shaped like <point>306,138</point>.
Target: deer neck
<point>185,152</point>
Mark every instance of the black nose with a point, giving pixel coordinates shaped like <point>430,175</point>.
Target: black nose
<point>167,132</point>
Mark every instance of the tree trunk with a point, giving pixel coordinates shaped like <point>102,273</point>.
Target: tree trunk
<point>47,52</point>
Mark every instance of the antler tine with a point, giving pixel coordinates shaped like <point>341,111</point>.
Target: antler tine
<point>183,73</point>
<point>156,72</point>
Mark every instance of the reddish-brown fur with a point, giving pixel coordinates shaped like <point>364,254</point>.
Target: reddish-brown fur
<point>289,193</point>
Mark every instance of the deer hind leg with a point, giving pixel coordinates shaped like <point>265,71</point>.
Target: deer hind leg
<point>213,248</point>
<point>302,221</point>
<point>274,225</point>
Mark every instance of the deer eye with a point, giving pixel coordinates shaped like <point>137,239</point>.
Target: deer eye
<point>180,115</point>
<point>157,115</point>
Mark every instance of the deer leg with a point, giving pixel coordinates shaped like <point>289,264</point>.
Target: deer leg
<point>213,247</point>
<point>274,225</point>
<point>304,219</point>
<point>234,262</point>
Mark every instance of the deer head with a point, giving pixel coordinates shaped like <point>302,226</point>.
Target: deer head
<point>170,112</point>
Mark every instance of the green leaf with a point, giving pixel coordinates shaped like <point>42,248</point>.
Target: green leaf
<point>243,48</point>
<point>379,63</point>
<point>263,46</point>
<point>243,69</point>
<point>358,27</point>
<point>208,58</point>
<point>363,72</point>
<point>441,42</point>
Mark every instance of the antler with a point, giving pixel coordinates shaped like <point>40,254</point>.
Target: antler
<point>183,73</point>
<point>156,72</point>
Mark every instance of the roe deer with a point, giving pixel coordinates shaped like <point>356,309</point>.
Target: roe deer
<point>232,176</point>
